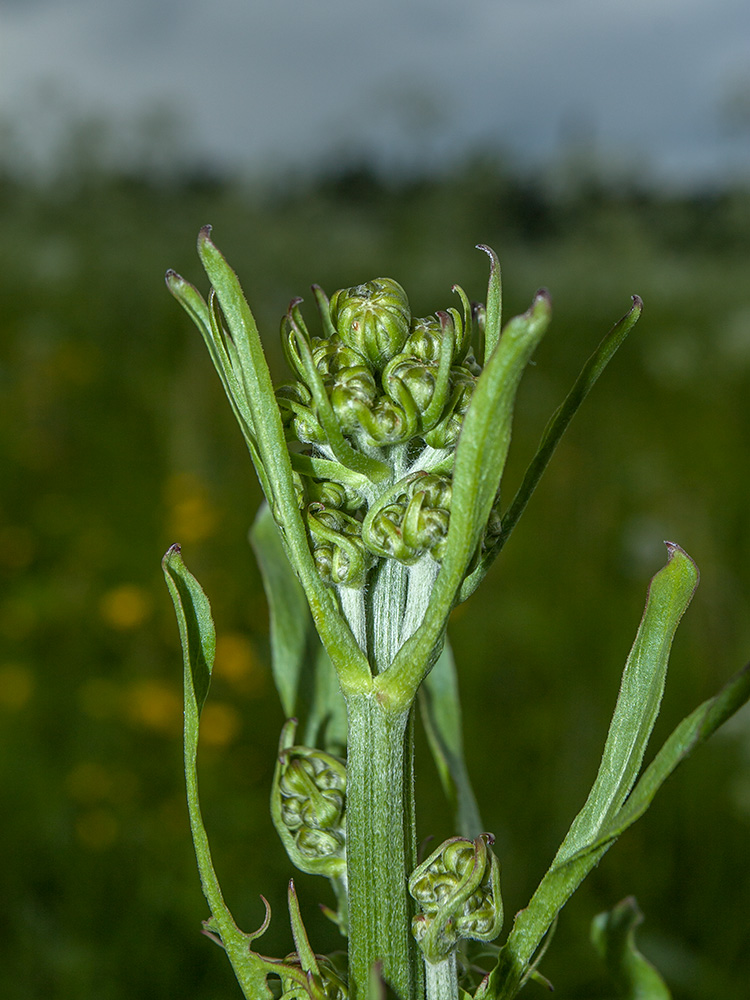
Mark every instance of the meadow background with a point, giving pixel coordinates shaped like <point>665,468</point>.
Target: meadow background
<point>116,441</point>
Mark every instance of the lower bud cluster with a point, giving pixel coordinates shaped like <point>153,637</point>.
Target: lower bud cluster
<point>458,891</point>
<point>308,806</point>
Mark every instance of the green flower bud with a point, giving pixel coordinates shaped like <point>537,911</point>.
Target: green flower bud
<point>354,389</point>
<point>458,891</point>
<point>411,519</point>
<point>308,805</point>
<point>297,414</point>
<point>419,378</point>
<point>340,554</point>
<point>427,332</point>
<point>328,494</point>
<point>389,422</point>
<point>291,398</point>
<point>425,338</point>
<point>372,318</point>
<point>333,356</point>
<point>445,433</point>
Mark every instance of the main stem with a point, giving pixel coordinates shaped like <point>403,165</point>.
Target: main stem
<point>380,847</point>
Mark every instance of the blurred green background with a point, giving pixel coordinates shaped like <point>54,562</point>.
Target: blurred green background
<point>116,441</point>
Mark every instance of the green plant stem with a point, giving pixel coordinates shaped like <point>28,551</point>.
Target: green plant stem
<point>441,979</point>
<point>235,942</point>
<point>381,847</point>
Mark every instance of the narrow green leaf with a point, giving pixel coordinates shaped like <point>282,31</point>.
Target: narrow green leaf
<point>253,370</point>
<point>325,718</point>
<point>442,380</point>
<point>694,730</point>
<point>561,880</point>
<point>198,640</point>
<point>613,936</point>
<point>494,305</point>
<point>301,941</point>
<point>325,468</point>
<point>588,839</point>
<point>553,432</point>
<point>480,459</point>
<point>564,877</point>
<point>485,437</point>
<point>290,620</point>
<point>204,318</point>
<point>274,465</point>
<point>641,691</point>
<point>302,670</point>
<point>195,623</point>
<point>441,712</point>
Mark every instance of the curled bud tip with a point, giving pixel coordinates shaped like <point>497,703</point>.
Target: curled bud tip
<point>204,235</point>
<point>494,260</point>
<point>637,303</point>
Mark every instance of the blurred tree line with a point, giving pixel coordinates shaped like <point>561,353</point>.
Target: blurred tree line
<point>115,441</point>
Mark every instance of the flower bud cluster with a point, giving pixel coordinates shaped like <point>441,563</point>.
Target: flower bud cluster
<point>309,805</point>
<point>412,520</point>
<point>458,892</point>
<point>340,555</point>
<point>380,369</point>
<point>390,387</point>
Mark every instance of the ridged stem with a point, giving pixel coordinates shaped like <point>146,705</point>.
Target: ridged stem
<point>380,848</point>
<point>441,979</point>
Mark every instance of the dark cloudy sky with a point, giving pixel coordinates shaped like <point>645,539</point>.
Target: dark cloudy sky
<point>259,82</point>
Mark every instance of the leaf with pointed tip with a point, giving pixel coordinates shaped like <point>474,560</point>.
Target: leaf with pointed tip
<point>613,936</point>
<point>480,459</point>
<point>195,623</point>
<point>561,881</point>
<point>273,463</point>
<point>204,317</point>
<point>638,702</point>
<point>198,646</point>
<point>494,306</point>
<point>441,712</point>
<point>553,432</point>
<point>301,941</point>
<point>641,689</point>
<point>252,369</point>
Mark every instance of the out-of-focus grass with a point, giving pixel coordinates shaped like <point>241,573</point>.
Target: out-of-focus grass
<point>116,442</point>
